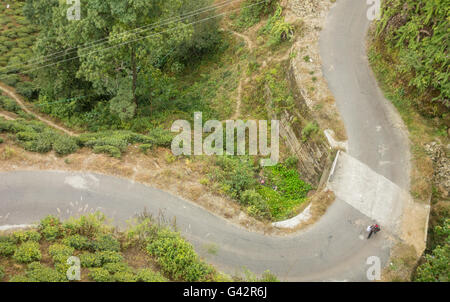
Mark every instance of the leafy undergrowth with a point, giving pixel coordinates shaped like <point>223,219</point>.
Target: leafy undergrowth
<point>17,35</point>
<point>270,193</point>
<point>36,136</point>
<point>147,252</point>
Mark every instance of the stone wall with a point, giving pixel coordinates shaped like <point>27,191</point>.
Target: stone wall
<point>313,155</point>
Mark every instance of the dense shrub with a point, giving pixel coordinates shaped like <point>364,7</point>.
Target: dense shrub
<point>414,34</point>
<point>147,275</point>
<point>435,268</point>
<point>106,243</point>
<point>37,272</point>
<point>89,225</point>
<point>177,257</point>
<point>116,267</point>
<point>27,89</point>
<point>60,253</point>
<point>19,278</point>
<point>23,236</point>
<point>124,277</point>
<point>77,241</point>
<point>27,252</point>
<point>2,272</point>
<point>50,227</point>
<point>40,142</point>
<point>110,150</point>
<point>11,80</point>
<point>9,105</point>
<point>1,140</point>
<point>256,205</point>
<point>145,147</point>
<point>7,247</point>
<point>64,145</point>
<point>100,275</point>
<point>90,260</point>
<point>110,257</point>
<point>237,174</point>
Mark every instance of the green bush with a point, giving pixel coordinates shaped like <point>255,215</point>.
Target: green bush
<point>106,243</point>
<point>60,253</point>
<point>110,257</point>
<point>256,205</point>
<point>1,140</point>
<point>19,278</point>
<point>145,147</point>
<point>116,267</point>
<point>89,225</point>
<point>158,137</point>
<point>415,35</point>
<point>147,275</point>
<point>37,272</point>
<point>110,150</point>
<point>27,252</point>
<point>236,173</point>
<point>42,142</point>
<point>2,272</point>
<point>124,277</point>
<point>7,247</point>
<point>23,236</point>
<point>177,257</point>
<point>13,79</point>
<point>77,241</point>
<point>50,228</point>
<point>309,129</point>
<point>90,260</point>
<point>9,105</point>
<point>27,89</point>
<point>100,275</point>
<point>64,145</point>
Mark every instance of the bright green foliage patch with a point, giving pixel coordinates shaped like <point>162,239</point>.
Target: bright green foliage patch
<point>177,257</point>
<point>27,252</point>
<point>416,34</point>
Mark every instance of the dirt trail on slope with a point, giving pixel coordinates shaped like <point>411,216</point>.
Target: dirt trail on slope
<point>12,94</point>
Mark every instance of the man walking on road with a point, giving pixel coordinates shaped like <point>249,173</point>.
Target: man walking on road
<point>375,228</point>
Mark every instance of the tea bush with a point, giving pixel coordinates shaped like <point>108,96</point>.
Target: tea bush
<point>37,272</point>
<point>77,241</point>
<point>28,252</point>
<point>60,253</point>
<point>64,145</point>
<point>23,236</point>
<point>7,248</point>
<point>177,257</point>
<point>90,260</point>
<point>100,275</point>
<point>147,275</point>
<point>50,227</point>
<point>105,243</point>
<point>110,150</point>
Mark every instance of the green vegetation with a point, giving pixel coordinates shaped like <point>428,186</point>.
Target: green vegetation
<point>436,268</point>
<point>35,136</point>
<point>416,36</point>
<point>149,251</point>
<point>252,12</point>
<point>271,193</point>
<point>17,35</point>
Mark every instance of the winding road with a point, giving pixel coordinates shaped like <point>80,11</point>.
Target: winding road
<point>333,249</point>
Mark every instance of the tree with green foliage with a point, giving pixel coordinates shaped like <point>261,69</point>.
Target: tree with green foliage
<point>436,266</point>
<point>135,45</point>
